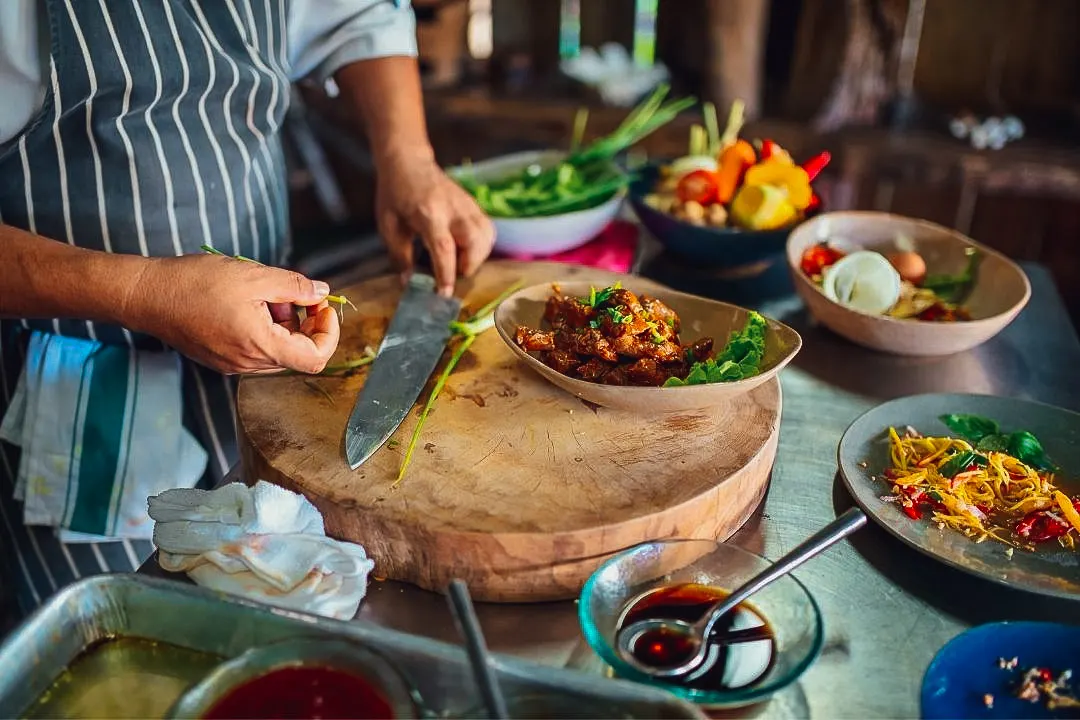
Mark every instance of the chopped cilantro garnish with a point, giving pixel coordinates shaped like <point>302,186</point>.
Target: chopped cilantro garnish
<point>740,359</point>
<point>596,297</point>
<point>618,317</point>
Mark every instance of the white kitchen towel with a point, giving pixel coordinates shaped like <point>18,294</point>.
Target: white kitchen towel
<point>263,542</point>
<point>100,428</point>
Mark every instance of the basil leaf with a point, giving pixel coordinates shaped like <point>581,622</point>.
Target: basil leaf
<point>972,428</point>
<point>959,462</point>
<point>993,443</point>
<point>1026,448</point>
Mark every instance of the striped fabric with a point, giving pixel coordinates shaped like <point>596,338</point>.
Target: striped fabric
<point>194,89</point>
<point>159,134</point>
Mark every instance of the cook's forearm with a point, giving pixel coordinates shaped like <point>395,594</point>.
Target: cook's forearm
<point>386,95</point>
<point>41,278</point>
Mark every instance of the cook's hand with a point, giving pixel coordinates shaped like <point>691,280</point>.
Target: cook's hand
<point>415,197</point>
<point>233,316</point>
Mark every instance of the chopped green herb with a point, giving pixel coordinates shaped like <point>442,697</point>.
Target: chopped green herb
<point>740,359</point>
<point>598,297</point>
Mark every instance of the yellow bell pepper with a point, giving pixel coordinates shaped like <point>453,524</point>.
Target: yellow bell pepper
<point>792,179</point>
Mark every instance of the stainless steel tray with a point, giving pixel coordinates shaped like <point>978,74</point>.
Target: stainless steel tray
<point>186,616</point>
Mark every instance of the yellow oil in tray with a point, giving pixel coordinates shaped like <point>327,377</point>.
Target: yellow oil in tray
<point>123,678</point>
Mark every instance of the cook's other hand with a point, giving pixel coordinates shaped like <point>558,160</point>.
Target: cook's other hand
<point>234,316</point>
<point>415,197</point>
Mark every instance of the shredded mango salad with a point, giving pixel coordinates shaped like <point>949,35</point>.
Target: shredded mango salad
<point>981,489</point>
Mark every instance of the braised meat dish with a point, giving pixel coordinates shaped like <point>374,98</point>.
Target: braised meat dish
<point>613,337</point>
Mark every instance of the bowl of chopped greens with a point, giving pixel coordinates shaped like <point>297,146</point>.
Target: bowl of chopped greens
<point>645,349</point>
<point>540,204</point>
<point>550,201</point>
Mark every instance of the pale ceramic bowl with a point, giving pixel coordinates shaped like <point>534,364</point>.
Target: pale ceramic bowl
<point>1000,292</point>
<point>541,236</point>
<point>699,317</point>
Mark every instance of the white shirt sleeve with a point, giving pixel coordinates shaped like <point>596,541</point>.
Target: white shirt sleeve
<point>325,35</point>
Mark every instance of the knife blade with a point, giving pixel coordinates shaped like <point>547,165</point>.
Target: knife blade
<point>410,351</point>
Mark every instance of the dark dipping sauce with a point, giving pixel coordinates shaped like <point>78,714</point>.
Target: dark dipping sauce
<point>740,651</point>
<point>307,693</point>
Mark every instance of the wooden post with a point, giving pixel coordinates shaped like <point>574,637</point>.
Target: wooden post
<point>867,81</point>
<point>736,42</point>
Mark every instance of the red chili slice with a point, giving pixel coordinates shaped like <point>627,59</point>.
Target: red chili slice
<point>1040,526</point>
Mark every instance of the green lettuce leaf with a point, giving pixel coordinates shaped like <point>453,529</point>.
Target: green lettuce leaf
<point>740,359</point>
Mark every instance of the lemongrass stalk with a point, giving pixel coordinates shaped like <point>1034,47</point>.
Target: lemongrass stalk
<point>480,321</point>
<point>490,307</point>
<point>581,119</point>
<point>439,384</point>
<point>336,299</point>
<point>736,118</point>
<point>712,126</point>
<point>319,389</point>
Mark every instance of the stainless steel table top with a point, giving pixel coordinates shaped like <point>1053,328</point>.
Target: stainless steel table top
<point>887,608</point>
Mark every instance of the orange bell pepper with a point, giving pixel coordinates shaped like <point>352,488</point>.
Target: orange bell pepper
<point>734,161</point>
<point>791,178</point>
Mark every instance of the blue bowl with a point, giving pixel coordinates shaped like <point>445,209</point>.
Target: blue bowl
<point>726,247</point>
<point>966,669</point>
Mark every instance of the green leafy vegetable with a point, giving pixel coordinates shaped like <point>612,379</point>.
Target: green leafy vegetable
<point>993,443</point>
<point>740,359</point>
<point>970,427</point>
<point>960,462</point>
<point>953,288</point>
<point>587,177</point>
<point>986,435</point>
<point>1026,448</point>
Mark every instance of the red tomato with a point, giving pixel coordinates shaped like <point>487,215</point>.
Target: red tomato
<point>698,186</point>
<point>818,257</point>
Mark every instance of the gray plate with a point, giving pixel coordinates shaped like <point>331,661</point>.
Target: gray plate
<point>1050,570</point>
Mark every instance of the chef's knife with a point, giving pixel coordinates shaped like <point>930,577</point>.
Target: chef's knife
<point>410,351</point>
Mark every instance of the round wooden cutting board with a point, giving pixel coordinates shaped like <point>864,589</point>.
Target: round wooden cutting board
<point>516,486</point>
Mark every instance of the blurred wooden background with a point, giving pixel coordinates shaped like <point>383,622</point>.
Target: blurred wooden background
<point>815,74</point>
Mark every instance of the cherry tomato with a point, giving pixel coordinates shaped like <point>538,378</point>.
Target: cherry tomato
<point>818,257</point>
<point>699,186</point>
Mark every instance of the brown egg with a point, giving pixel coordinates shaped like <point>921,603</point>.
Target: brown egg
<point>910,265</point>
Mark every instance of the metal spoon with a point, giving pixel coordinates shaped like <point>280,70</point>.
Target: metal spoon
<point>695,633</point>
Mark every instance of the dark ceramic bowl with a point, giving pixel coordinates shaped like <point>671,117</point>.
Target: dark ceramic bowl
<point>725,247</point>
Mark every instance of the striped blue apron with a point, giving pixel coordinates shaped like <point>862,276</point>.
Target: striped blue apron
<point>158,134</point>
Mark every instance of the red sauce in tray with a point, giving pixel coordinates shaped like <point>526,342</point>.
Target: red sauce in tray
<point>303,693</point>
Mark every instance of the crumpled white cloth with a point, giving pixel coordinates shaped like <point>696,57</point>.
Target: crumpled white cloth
<point>264,543</point>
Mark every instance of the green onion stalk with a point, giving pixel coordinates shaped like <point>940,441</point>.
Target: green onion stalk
<point>340,300</point>
<point>587,176</point>
<point>480,321</point>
